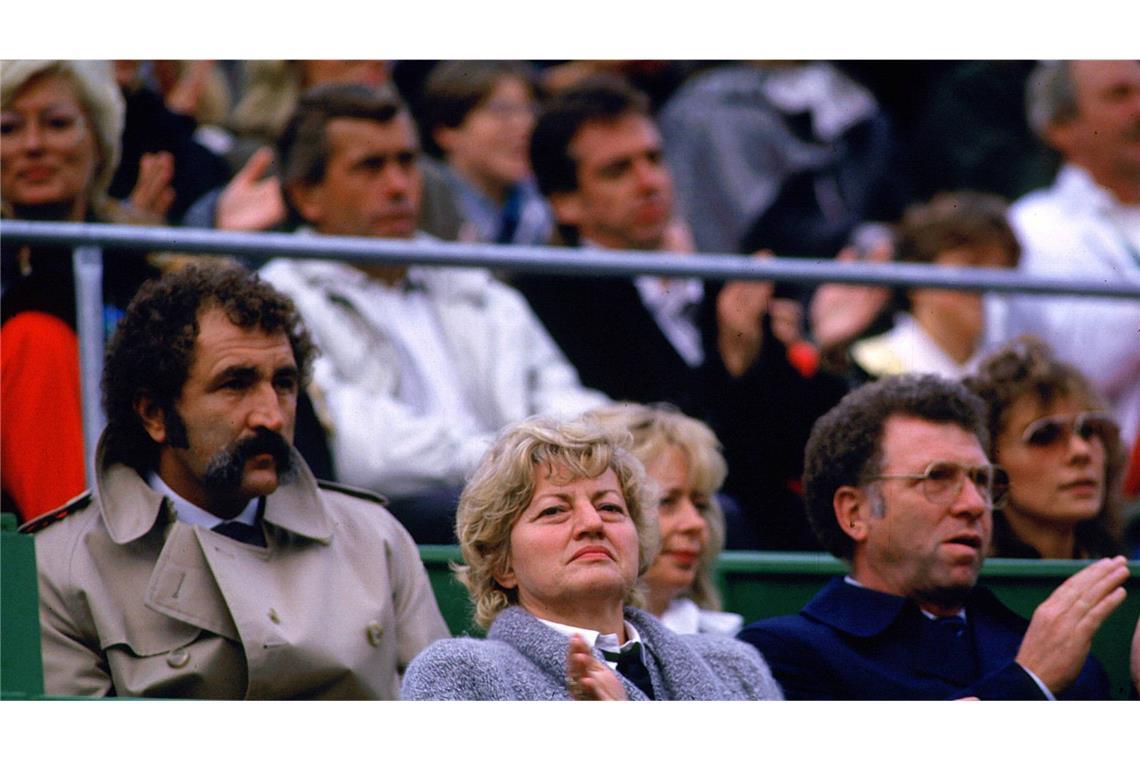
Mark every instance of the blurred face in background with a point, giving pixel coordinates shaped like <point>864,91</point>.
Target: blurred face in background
<point>373,73</point>
<point>624,198</point>
<point>372,182</point>
<point>684,527</point>
<point>1104,137</point>
<point>959,311</point>
<point>490,148</point>
<point>48,152</point>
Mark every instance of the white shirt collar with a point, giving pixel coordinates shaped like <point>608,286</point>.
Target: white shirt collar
<point>195,515</point>
<point>607,642</point>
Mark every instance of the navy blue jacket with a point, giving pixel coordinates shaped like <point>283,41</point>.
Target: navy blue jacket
<point>854,643</point>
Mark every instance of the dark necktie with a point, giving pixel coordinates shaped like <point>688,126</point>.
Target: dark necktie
<point>509,217</point>
<point>949,649</point>
<point>239,531</point>
<point>629,664</point>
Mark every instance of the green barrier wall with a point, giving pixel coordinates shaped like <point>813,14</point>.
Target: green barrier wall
<point>765,584</point>
<point>754,584</point>
<point>21,667</point>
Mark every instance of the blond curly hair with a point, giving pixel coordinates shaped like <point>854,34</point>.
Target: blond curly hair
<point>503,485</point>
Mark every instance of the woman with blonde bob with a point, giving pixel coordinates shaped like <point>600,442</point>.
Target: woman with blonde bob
<point>60,127</point>
<point>555,526</point>
<point>682,457</point>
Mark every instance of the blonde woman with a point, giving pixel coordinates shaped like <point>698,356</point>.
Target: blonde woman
<point>555,526</point>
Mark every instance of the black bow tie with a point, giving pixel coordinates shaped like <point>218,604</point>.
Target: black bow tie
<point>630,665</point>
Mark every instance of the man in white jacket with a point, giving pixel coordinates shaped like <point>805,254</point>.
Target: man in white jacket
<point>420,366</point>
<point>1087,224</point>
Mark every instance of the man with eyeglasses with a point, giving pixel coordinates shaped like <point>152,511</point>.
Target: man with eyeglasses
<point>898,485</point>
<point>477,116</point>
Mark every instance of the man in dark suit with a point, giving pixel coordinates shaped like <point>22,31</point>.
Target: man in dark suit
<point>898,485</point>
<point>712,351</point>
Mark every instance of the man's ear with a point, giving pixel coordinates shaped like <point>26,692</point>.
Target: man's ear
<point>309,200</point>
<point>567,207</point>
<point>1060,135</point>
<point>152,416</point>
<point>445,138</point>
<point>849,503</point>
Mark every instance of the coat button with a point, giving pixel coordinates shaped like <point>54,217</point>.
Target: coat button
<point>274,616</point>
<point>178,658</point>
<point>375,633</point>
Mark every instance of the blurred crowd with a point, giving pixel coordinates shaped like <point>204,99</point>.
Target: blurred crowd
<point>1033,166</point>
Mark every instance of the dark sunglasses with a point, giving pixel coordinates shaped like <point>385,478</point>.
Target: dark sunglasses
<point>1047,431</point>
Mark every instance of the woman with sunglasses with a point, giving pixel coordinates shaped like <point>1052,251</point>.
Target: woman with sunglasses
<point>1063,453</point>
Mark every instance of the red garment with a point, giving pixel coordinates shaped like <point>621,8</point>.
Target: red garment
<point>1132,479</point>
<point>41,417</point>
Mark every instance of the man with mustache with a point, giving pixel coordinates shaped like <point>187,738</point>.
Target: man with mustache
<point>207,561</point>
<point>1086,225</point>
<point>898,485</point>
<point>420,366</point>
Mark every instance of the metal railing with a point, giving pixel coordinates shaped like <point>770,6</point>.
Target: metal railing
<point>90,240</point>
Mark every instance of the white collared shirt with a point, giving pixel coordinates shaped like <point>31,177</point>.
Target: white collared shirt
<point>673,303</point>
<point>606,642</point>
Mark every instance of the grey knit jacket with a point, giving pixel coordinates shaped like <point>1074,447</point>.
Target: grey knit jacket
<point>524,659</point>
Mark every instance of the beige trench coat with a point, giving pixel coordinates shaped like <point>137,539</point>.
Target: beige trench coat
<point>135,603</point>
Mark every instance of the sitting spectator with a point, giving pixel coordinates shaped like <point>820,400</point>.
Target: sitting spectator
<point>421,365</point>
<point>1052,434</point>
<point>898,485</point>
<point>941,331</point>
<point>207,562</point>
<point>555,527</point>
<point>682,457</point>
<point>788,156</point>
<point>718,353</point>
<point>1086,225</point>
<point>478,116</point>
<point>59,141</point>
<point>252,200</point>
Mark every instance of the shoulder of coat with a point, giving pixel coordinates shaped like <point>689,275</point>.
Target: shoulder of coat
<point>360,493</point>
<point>79,503</point>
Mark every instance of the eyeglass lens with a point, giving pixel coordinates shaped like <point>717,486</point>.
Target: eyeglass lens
<point>943,481</point>
<point>1050,430</point>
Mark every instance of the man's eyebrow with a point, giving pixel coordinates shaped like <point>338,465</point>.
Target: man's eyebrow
<point>237,372</point>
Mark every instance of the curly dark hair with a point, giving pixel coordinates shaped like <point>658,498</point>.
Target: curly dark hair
<point>845,447</point>
<point>153,347</point>
<point>1024,367</point>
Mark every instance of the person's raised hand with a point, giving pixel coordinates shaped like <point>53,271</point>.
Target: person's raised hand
<point>839,313</point>
<point>587,678</point>
<point>152,193</point>
<point>250,203</point>
<point>1062,627</point>
<point>186,93</point>
<point>740,309</point>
